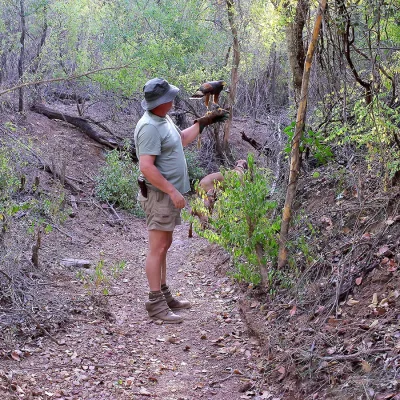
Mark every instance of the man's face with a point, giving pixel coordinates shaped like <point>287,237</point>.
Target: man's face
<point>163,109</point>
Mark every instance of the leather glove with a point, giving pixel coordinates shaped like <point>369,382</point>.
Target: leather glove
<point>218,115</point>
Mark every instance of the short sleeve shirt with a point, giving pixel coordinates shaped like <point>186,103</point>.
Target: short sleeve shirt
<point>160,137</point>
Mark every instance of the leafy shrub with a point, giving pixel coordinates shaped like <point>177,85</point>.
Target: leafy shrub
<point>241,222</point>
<point>9,180</point>
<point>314,141</point>
<point>117,181</point>
<point>373,127</point>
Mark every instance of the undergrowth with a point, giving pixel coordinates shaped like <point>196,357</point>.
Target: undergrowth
<point>117,182</point>
<point>242,222</point>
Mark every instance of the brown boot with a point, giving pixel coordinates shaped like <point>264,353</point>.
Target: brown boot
<point>173,303</point>
<point>158,309</point>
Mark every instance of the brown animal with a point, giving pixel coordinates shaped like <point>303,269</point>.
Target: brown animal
<point>208,189</point>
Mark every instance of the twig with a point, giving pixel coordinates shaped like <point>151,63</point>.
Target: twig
<point>222,380</point>
<point>8,277</point>
<point>41,327</point>
<point>114,212</point>
<point>357,355</point>
<point>89,177</point>
<point>76,180</point>
<point>60,230</point>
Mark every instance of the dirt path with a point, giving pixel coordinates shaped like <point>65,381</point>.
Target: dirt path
<point>120,354</point>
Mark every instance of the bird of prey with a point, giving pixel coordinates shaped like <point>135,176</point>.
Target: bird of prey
<point>208,89</point>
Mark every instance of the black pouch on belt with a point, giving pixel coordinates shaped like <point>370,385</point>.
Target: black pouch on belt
<point>142,185</point>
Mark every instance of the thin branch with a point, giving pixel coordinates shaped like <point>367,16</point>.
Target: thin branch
<point>40,326</point>
<point>68,78</point>
<point>355,356</point>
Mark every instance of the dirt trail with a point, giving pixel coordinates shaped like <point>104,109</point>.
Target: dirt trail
<point>120,354</point>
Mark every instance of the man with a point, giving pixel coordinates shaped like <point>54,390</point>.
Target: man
<point>159,147</point>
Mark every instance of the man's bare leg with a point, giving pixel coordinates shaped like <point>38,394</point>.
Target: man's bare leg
<point>156,306</point>
<point>159,243</point>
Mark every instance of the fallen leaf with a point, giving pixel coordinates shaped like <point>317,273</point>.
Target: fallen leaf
<point>254,304</point>
<point>351,302</point>
<point>384,303</point>
<point>327,221</point>
<point>270,315</point>
<point>373,323</point>
<point>366,367</point>
<point>333,321</point>
<point>282,372</point>
<point>293,311</point>
<point>173,340</point>
<point>331,350</point>
<point>15,355</point>
<point>144,392</point>
<point>129,381</point>
<point>266,395</point>
<point>366,236</point>
<point>384,251</point>
<point>346,230</point>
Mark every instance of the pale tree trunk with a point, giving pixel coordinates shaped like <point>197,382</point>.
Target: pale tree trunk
<point>295,153</point>
<point>234,72</point>
<point>21,55</point>
<point>294,38</point>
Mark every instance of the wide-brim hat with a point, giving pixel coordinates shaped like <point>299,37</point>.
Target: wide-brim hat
<point>158,91</point>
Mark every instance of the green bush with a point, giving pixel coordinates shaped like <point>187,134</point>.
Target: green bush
<point>9,179</point>
<point>241,222</point>
<point>117,181</point>
<point>314,141</point>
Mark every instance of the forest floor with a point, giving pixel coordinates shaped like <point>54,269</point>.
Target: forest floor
<point>234,343</point>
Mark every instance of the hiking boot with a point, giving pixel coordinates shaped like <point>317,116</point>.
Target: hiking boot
<point>172,302</point>
<point>158,309</point>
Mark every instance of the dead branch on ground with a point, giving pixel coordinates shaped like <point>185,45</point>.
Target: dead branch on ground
<point>259,147</point>
<point>84,125</point>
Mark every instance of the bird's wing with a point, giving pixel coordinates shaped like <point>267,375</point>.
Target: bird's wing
<point>217,86</point>
<point>207,87</point>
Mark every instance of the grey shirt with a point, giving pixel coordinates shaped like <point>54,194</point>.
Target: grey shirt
<point>160,137</point>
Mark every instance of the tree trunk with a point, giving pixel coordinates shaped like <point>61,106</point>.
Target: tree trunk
<point>21,55</point>
<point>234,72</point>
<point>295,153</point>
<point>294,38</point>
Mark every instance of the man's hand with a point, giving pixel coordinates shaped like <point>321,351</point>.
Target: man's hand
<point>218,115</point>
<point>177,199</point>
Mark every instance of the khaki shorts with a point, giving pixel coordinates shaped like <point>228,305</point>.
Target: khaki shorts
<point>161,214</point>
